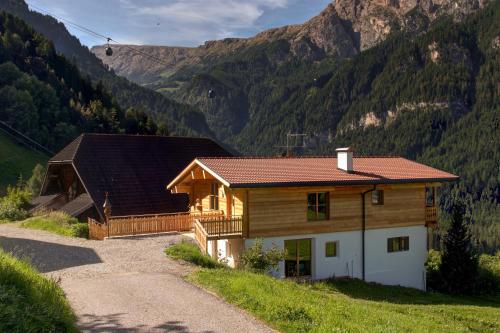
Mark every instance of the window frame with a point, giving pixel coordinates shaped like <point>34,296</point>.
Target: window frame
<point>214,196</point>
<point>298,257</point>
<point>317,205</point>
<point>432,190</point>
<point>380,201</point>
<point>403,244</point>
<point>336,243</point>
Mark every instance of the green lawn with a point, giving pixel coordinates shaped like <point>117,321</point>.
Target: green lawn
<point>348,305</point>
<point>15,161</point>
<point>57,223</point>
<point>30,302</point>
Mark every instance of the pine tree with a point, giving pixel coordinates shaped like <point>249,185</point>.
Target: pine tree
<point>459,264</point>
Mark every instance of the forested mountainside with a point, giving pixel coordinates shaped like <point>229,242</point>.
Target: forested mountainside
<point>430,94</point>
<point>46,98</point>
<point>176,118</point>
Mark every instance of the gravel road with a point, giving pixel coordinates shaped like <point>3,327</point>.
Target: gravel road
<point>127,284</point>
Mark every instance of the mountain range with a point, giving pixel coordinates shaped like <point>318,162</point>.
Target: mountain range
<point>416,78</point>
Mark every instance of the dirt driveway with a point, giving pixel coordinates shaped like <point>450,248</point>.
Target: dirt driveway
<point>126,285</point>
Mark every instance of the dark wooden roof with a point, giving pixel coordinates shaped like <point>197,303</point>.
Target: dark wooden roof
<point>134,169</point>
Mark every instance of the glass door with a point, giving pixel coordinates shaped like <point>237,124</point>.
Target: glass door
<point>298,257</point>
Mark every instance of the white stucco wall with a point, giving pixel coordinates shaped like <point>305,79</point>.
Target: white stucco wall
<point>404,268</point>
<point>397,268</point>
<point>221,251</point>
<point>347,262</point>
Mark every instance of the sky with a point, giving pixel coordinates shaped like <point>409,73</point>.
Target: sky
<point>177,22</point>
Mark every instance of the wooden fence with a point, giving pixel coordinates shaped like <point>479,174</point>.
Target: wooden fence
<point>146,224</point>
<point>97,231</point>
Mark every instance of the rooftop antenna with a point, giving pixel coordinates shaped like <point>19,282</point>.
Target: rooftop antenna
<point>291,145</point>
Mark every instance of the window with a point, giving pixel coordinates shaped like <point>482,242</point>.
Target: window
<point>430,196</point>
<point>377,197</point>
<point>331,249</point>
<point>398,244</point>
<point>317,206</point>
<point>214,196</point>
<point>298,257</point>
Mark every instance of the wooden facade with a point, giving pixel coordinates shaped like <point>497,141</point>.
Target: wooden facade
<point>282,211</point>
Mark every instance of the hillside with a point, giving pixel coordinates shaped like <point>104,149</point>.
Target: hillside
<point>176,118</point>
<point>16,161</point>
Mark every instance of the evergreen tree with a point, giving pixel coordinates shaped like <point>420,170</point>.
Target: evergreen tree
<point>459,265</point>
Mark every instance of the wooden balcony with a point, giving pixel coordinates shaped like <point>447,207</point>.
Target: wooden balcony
<point>431,215</point>
<point>217,227</point>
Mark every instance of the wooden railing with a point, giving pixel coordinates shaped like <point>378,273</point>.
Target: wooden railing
<point>147,224</point>
<point>201,236</point>
<point>221,226</point>
<point>97,231</point>
<point>430,214</point>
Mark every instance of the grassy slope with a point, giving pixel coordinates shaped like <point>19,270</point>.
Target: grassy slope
<point>15,161</point>
<point>57,223</point>
<point>343,305</point>
<point>349,306</point>
<point>29,302</point>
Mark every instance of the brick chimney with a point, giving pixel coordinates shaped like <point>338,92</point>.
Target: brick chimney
<point>344,159</point>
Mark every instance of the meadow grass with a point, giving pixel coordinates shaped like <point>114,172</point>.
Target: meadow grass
<point>30,302</point>
<point>56,222</point>
<point>348,305</point>
<point>341,305</point>
<point>189,252</point>
<point>16,161</point>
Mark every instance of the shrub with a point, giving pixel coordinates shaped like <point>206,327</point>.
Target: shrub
<point>257,259</point>
<point>489,274</point>
<point>433,263</point>
<point>34,184</point>
<point>80,230</point>
<point>190,252</point>
<point>14,206</point>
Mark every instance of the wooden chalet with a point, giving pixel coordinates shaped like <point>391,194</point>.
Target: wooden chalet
<point>364,217</point>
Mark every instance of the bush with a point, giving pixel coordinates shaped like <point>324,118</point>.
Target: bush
<point>80,230</point>
<point>489,274</point>
<point>190,252</point>
<point>256,259</point>
<point>14,206</point>
<point>487,281</point>
<point>30,302</point>
<point>34,184</point>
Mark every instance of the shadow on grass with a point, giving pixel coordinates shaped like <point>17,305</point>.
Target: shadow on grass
<point>49,257</point>
<point>113,323</point>
<point>399,295</point>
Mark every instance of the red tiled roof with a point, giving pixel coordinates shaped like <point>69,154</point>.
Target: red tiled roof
<point>303,171</point>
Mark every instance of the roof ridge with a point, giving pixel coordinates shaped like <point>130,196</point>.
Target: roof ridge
<point>289,158</point>
<point>147,135</point>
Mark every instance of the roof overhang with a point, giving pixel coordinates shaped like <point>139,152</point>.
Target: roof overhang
<point>187,172</point>
<point>344,183</point>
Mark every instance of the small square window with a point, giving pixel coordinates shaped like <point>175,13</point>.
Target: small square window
<point>331,249</point>
<point>378,197</point>
<point>398,244</point>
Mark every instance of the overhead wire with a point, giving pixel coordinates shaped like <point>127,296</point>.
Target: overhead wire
<point>98,35</point>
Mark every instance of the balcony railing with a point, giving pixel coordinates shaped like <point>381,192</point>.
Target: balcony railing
<point>217,227</point>
<point>431,214</point>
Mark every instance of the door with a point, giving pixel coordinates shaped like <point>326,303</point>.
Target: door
<point>298,257</point>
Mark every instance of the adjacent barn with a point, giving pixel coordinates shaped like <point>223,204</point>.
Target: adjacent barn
<point>132,169</point>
